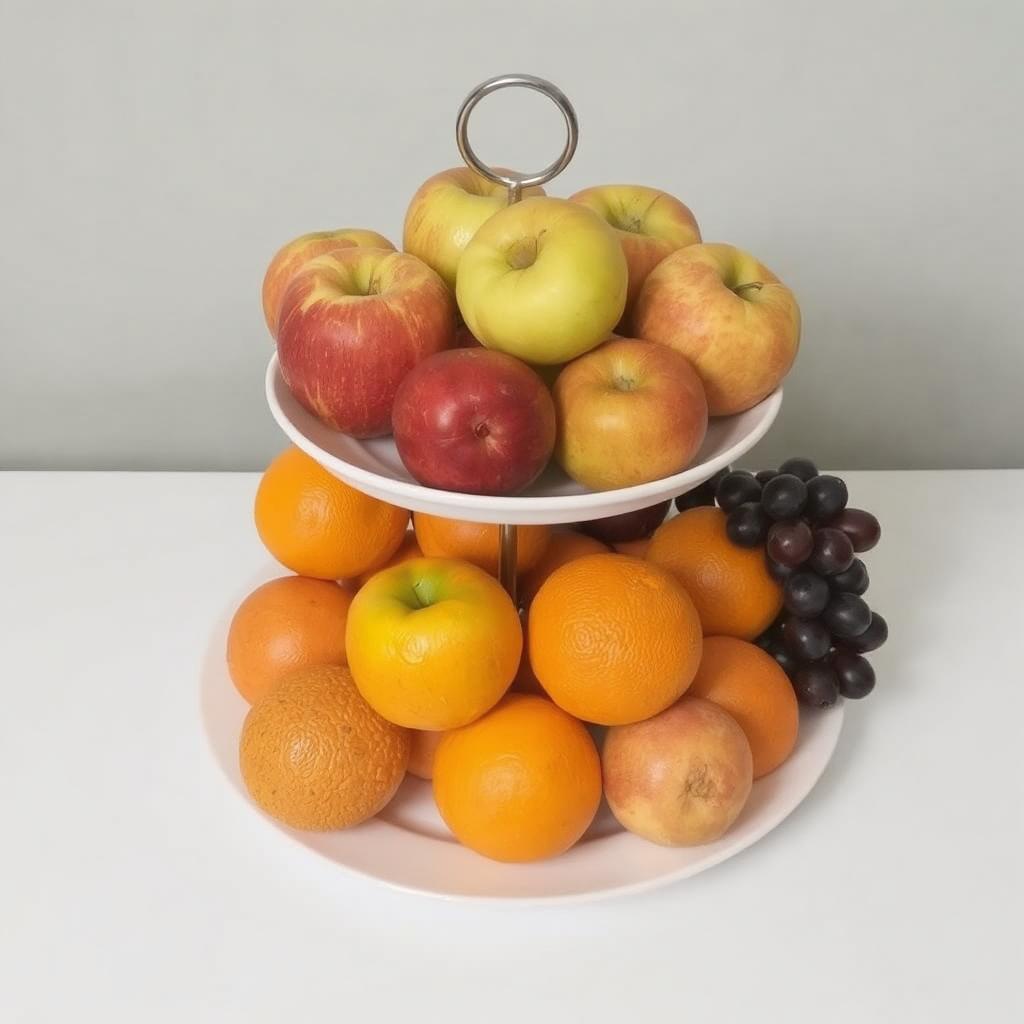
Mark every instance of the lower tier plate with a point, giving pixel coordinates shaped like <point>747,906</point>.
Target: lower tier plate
<point>408,846</point>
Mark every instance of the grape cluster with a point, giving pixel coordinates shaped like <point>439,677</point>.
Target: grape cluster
<point>811,541</point>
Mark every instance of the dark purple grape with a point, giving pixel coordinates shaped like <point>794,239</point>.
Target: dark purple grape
<point>861,527</point>
<point>715,480</point>
<point>846,616</point>
<point>816,685</point>
<point>871,639</point>
<point>778,572</point>
<point>765,641</point>
<point>807,639</point>
<point>627,525</point>
<point>790,543</point>
<point>783,497</point>
<point>762,476</point>
<point>826,498</point>
<point>855,674</point>
<point>788,662</point>
<point>698,497</point>
<point>832,552</point>
<point>747,525</point>
<point>853,581</point>
<point>735,489</point>
<point>803,468</point>
<point>805,594</point>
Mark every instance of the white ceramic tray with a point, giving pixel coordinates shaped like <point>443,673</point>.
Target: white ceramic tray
<point>375,468</point>
<point>408,846</point>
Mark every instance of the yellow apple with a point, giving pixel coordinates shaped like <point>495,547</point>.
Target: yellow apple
<point>291,258</point>
<point>628,412</point>
<point>729,315</point>
<point>445,213</point>
<point>543,280</point>
<point>650,224</point>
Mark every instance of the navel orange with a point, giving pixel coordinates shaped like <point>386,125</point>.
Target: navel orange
<point>287,624</point>
<point>520,784</point>
<point>563,546</point>
<point>613,639</point>
<point>749,684</point>
<point>315,755</point>
<point>730,585</point>
<point>316,525</point>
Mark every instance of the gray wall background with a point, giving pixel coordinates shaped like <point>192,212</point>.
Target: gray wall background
<point>153,156</point>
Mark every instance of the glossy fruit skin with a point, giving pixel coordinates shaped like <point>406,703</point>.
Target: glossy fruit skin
<point>846,616</point>
<point>316,525</point>
<point>354,760</point>
<point>284,626</point>
<point>479,543</point>
<point>613,639</point>
<point>854,580</point>
<point>752,687</point>
<point>807,639</point>
<point>816,685</point>
<point>433,643</point>
<point>871,639</point>
<point>833,552</point>
<point>806,594</point>
<point>779,572</point>
<point>747,525</point>
<point>787,661</point>
<point>803,468</point>
<point>790,544</point>
<point>826,498</point>
<point>854,672</point>
<point>735,489</point>
<point>504,793</point>
<point>762,476</point>
<point>628,525</point>
<point>730,585</point>
<point>784,496</point>
<point>861,527</point>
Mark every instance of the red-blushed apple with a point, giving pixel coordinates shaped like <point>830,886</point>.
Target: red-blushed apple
<point>680,778</point>
<point>650,224</point>
<point>291,258</point>
<point>729,315</point>
<point>473,420</point>
<point>353,324</point>
<point>627,526</point>
<point>445,213</point>
<point>629,412</point>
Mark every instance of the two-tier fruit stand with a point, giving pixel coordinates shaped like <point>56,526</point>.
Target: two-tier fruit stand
<point>407,845</point>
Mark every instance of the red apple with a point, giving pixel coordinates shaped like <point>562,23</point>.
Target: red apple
<point>627,526</point>
<point>628,412</point>
<point>353,323</point>
<point>473,420</point>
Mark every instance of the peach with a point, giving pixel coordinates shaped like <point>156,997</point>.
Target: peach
<point>680,778</point>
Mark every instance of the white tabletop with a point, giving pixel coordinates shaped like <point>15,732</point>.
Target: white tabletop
<point>135,885</point>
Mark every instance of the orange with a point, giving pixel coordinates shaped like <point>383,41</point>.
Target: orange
<point>315,755</point>
<point>563,546</point>
<point>520,784</point>
<point>637,548</point>
<point>424,749</point>
<point>433,643</point>
<point>476,542</point>
<point>613,639</point>
<point>316,525</point>
<point>286,624</point>
<point>748,683</point>
<point>730,585</point>
<point>406,551</point>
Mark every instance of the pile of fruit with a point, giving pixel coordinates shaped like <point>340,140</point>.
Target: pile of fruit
<point>505,336</point>
<point>659,678</point>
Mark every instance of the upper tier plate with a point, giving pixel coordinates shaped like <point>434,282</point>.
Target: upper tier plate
<point>375,468</point>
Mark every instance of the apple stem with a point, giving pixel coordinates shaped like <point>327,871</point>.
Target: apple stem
<point>756,285</point>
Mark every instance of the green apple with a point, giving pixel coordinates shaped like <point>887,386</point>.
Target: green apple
<point>544,280</point>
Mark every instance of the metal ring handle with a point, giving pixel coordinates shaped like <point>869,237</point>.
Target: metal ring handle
<point>515,183</point>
